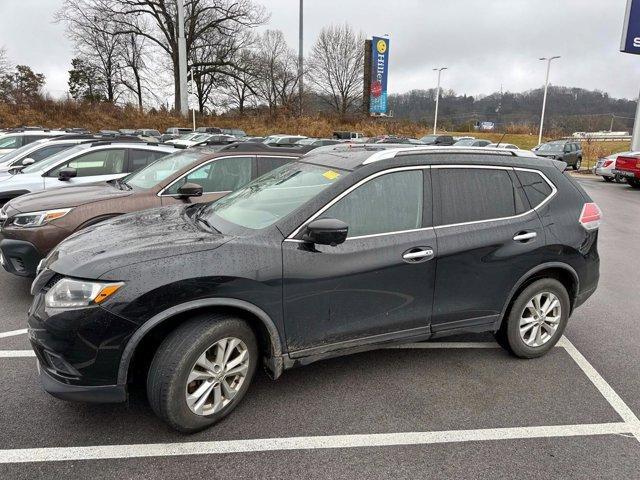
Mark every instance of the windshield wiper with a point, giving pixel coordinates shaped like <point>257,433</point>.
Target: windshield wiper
<point>199,217</point>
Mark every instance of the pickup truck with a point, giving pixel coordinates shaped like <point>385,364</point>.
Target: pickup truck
<point>629,168</point>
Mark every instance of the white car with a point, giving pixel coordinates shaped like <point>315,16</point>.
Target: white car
<point>283,139</point>
<point>13,139</point>
<point>98,161</point>
<point>37,151</point>
<point>190,139</point>
<point>605,166</point>
<point>508,146</point>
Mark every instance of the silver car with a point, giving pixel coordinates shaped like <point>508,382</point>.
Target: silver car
<point>605,166</point>
<point>85,163</point>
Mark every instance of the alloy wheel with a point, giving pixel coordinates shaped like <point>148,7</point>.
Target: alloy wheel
<point>217,376</point>
<point>540,319</point>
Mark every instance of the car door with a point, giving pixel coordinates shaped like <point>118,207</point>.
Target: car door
<point>217,178</point>
<point>94,166</point>
<point>378,284</point>
<point>488,237</point>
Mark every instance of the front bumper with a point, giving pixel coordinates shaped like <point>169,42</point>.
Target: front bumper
<point>82,393</point>
<point>20,257</point>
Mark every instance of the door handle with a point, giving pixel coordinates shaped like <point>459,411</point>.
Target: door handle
<point>418,254</point>
<point>525,236</point>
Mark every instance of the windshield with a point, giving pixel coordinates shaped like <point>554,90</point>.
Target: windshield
<point>271,197</point>
<point>551,147</point>
<point>464,143</point>
<point>429,138</point>
<point>161,169</point>
<point>53,159</point>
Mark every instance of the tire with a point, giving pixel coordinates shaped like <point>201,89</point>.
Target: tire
<point>608,179</point>
<point>577,165</point>
<point>619,179</point>
<point>509,335</point>
<point>181,354</point>
<point>634,182</point>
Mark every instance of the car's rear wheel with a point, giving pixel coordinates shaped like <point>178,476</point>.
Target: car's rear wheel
<point>201,371</point>
<point>634,182</point>
<point>608,179</point>
<point>619,178</point>
<point>578,164</point>
<point>537,319</point>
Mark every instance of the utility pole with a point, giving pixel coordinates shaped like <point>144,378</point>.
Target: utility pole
<point>182,61</point>
<point>544,99</point>
<point>301,56</point>
<point>193,92</point>
<point>435,120</point>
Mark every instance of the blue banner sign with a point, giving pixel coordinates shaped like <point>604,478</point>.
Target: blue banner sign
<point>631,29</point>
<point>379,75</point>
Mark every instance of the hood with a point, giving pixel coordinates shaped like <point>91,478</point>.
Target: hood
<point>134,238</point>
<point>67,197</point>
<point>549,154</point>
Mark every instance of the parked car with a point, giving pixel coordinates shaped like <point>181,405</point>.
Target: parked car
<point>234,132</point>
<point>340,252</point>
<point>16,138</point>
<point>40,150</point>
<point>98,161</point>
<point>568,151</point>
<point>628,167</point>
<point>190,139</point>
<point>33,224</point>
<point>127,131</point>
<point>282,139</point>
<point>605,167</point>
<point>209,130</point>
<point>342,135</point>
<point>109,133</point>
<point>507,146</point>
<point>148,133</point>
<point>400,140</point>
<point>174,133</point>
<point>318,142</point>
<point>472,142</point>
<point>441,140</point>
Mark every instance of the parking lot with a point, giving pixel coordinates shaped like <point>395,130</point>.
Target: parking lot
<point>460,408</point>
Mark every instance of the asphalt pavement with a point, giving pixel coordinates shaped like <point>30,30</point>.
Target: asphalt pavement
<point>452,410</point>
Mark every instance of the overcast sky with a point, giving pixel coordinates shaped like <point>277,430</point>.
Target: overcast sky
<point>485,43</point>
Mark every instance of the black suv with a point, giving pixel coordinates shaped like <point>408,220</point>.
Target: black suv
<point>348,249</point>
<point>567,151</point>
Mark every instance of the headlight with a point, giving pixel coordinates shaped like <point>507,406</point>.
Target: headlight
<point>37,219</point>
<point>69,293</point>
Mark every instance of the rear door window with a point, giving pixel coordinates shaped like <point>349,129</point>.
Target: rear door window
<point>392,202</point>
<point>266,164</point>
<point>476,194</point>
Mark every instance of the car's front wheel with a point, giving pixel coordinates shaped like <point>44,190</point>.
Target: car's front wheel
<point>201,371</point>
<point>537,319</point>
<point>578,164</point>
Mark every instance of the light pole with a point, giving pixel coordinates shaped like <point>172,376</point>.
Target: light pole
<point>544,99</point>
<point>435,120</point>
<point>301,56</point>
<point>182,61</point>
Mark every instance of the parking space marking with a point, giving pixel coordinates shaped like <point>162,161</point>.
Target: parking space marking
<point>57,454</point>
<point>16,353</point>
<point>603,387</point>
<point>13,333</point>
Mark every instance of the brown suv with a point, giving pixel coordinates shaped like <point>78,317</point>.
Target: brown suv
<point>34,224</point>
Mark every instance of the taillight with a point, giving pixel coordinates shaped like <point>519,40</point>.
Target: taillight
<point>607,163</point>
<point>591,216</point>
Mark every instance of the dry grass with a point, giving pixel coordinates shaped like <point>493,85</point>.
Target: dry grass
<point>59,114</point>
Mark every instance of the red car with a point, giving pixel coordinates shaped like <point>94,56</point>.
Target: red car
<point>629,168</point>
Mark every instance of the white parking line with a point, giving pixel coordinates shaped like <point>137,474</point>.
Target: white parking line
<point>57,454</point>
<point>16,353</point>
<point>605,389</point>
<point>13,333</point>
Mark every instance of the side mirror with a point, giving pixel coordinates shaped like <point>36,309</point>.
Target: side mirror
<point>67,174</point>
<point>28,161</point>
<point>190,190</point>
<point>326,231</point>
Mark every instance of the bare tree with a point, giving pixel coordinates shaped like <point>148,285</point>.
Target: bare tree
<point>335,67</point>
<point>241,89</point>
<point>278,77</point>
<point>204,20</point>
<point>94,32</point>
<point>133,59</point>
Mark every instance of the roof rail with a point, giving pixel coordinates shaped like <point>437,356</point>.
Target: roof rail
<point>391,153</point>
<point>123,139</point>
<point>261,147</point>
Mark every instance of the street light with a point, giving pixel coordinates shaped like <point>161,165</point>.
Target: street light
<point>544,100</point>
<point>435,120</point>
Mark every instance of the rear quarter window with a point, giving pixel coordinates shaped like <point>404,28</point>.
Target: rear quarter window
<point>535,187</point>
